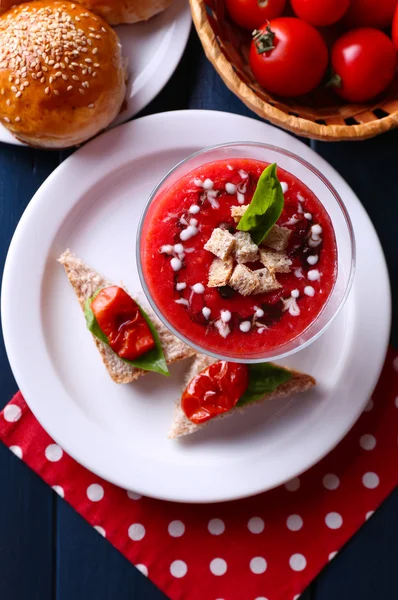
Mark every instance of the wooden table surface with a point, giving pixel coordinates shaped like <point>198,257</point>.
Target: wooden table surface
<point>47,551</point>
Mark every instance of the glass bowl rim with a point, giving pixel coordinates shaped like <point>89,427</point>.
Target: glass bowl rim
<point>275,356</point>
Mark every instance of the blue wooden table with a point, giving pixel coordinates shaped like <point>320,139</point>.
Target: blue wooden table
<point>47,551</point>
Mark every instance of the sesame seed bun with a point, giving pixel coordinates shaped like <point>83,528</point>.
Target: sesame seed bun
<point>62,76</point>
<point>115,12</point>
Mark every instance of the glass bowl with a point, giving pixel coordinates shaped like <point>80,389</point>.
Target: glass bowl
<point>325,193</point>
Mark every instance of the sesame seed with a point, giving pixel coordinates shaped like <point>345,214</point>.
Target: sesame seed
<point>69,88</point>
<point>18,94</point>
<point>6,119</point>
<point>75,78</point>
<point>2,91</point>
<point>81,91</point>
<point>47,90</point>
<point>43,80</point>
<point>8,102</point>
<point>51,79</point>
<point>91,105</point>
<point>103,29</point>
<point>13,88</point>
<point>97,65</point>
<point>58,74</point>
<point>17,119</point>
<point>56,92</point>
<point>65,77</point>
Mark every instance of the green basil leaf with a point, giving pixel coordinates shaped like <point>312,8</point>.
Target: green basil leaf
<point>263,379</point>
<point>265,208</point>
<point>154,360</point>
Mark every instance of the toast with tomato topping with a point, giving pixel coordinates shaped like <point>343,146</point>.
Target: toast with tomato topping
<point>181,426</point>
<point>85,282</point>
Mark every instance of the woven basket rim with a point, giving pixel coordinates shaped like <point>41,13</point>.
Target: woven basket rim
<point>298,125</point>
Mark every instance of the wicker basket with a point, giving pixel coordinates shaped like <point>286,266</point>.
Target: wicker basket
<point>319,115</point>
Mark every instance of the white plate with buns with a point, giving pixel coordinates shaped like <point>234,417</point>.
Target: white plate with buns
<point>91,204</point>
<point>150,51</point>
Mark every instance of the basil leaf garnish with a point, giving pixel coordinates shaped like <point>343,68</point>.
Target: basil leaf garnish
<point>154,360</point>
<point>265,208</point>
<point>263,379</point>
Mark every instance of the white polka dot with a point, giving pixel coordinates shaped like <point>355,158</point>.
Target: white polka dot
<point>256,525</point>
<point>258,565</point>
<point>297,562</point>
<point>133,495</point>
<point>331,481</point>
<point>218,566</point>
<point>100,530</point>
<point>395,363</point>
<point>143,569</point>
<point>178,568</point>
<point>12,413</point>
<point>333,520</point>
<point>53,453</point>
<point>216,526</point>
<point>369,406</point>
<point>367,441</point>
<point>294,522</point>
<point>17,451</point>
<point>95,492</point>
<point>369,514</point>
<point>293,485</point>
<point>59,490</point>
<point>370,480</point>
<point>332,555</point>
<point>136,532</point>
<point>176,528</point>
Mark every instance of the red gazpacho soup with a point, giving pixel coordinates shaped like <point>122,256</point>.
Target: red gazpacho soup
<point>211,281</point>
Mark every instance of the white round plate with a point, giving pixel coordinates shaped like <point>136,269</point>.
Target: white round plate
<point>91,204</point>
<point>153,49</point>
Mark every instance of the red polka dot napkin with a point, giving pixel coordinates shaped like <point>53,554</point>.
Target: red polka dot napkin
<point>268,547</point>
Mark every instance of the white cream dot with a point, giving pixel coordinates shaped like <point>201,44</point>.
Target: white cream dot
<point>294,522</point>
<point>309,291</point>
<point>333,520</point>
<point>133,495</point>
<point>367,441</point>
<point>178,568</point>
<point>198,288</point>
<point>295,293</point>
<point>53,453</point>
<point>370,405</point>
<point>293,485</point>
<point>218,566</point>
<point>297,562</point>
<point>143,569</point>
<point>216,526</point>
<point>369,514</point>
<point>95,492</point>
<point>178,248</point>
<point>284,187</point>
<point>308,216</point>
<point>313,259</point>
<point>194,209</point>
<point>17,451</point>
<point>332,555</point>
<point>136,532</point>
<point>331,481</point>
<point>395,363</point>
<point>370,480</point>
<point>208,184</point>
<point>100,530</point>
<point>314,275</point>
<point>12,413</point>
<point>176,528</point>
<point>59,490</point>
<point>258,565</point>
<point>230,188</point>
<point>181,285</point>
<point>255,525</point>
<point>316,229</point>
<point>206,312</point>
<point>245,326</point>
<point>176,264</point>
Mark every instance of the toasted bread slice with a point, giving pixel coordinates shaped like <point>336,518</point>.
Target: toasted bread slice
<point>300,382</point>
<point>85,281</point>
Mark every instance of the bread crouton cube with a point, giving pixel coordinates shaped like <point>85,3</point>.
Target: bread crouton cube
<point>221,243</point>
<point>220,272</point>
<point>246,250</point>
<point>237,212</point>
<point>243,280</point>
<point>265,282</point>
<point>278,238</point>
<point>276,262</point>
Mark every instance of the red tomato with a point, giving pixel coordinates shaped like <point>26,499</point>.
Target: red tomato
<point>395,28</point>
<point>120,318</point>
<point>370,13</point>
<point>320,12</point>
<point>214,390</point>
<point>251,14</point>
<point>365,61</point>
<point>288,57</point>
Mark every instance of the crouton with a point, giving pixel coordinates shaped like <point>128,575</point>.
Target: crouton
<point>243,280</point>
<point>265,282</point>
<point>276,262</point>
<point>246,250</point>
<point>221,243</point>
<point>220,272</point>
<point>278,238</point>
<point>237,212</point>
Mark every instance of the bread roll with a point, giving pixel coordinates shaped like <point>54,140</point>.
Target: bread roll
<point>62,76</point>
<point>115,11</point>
